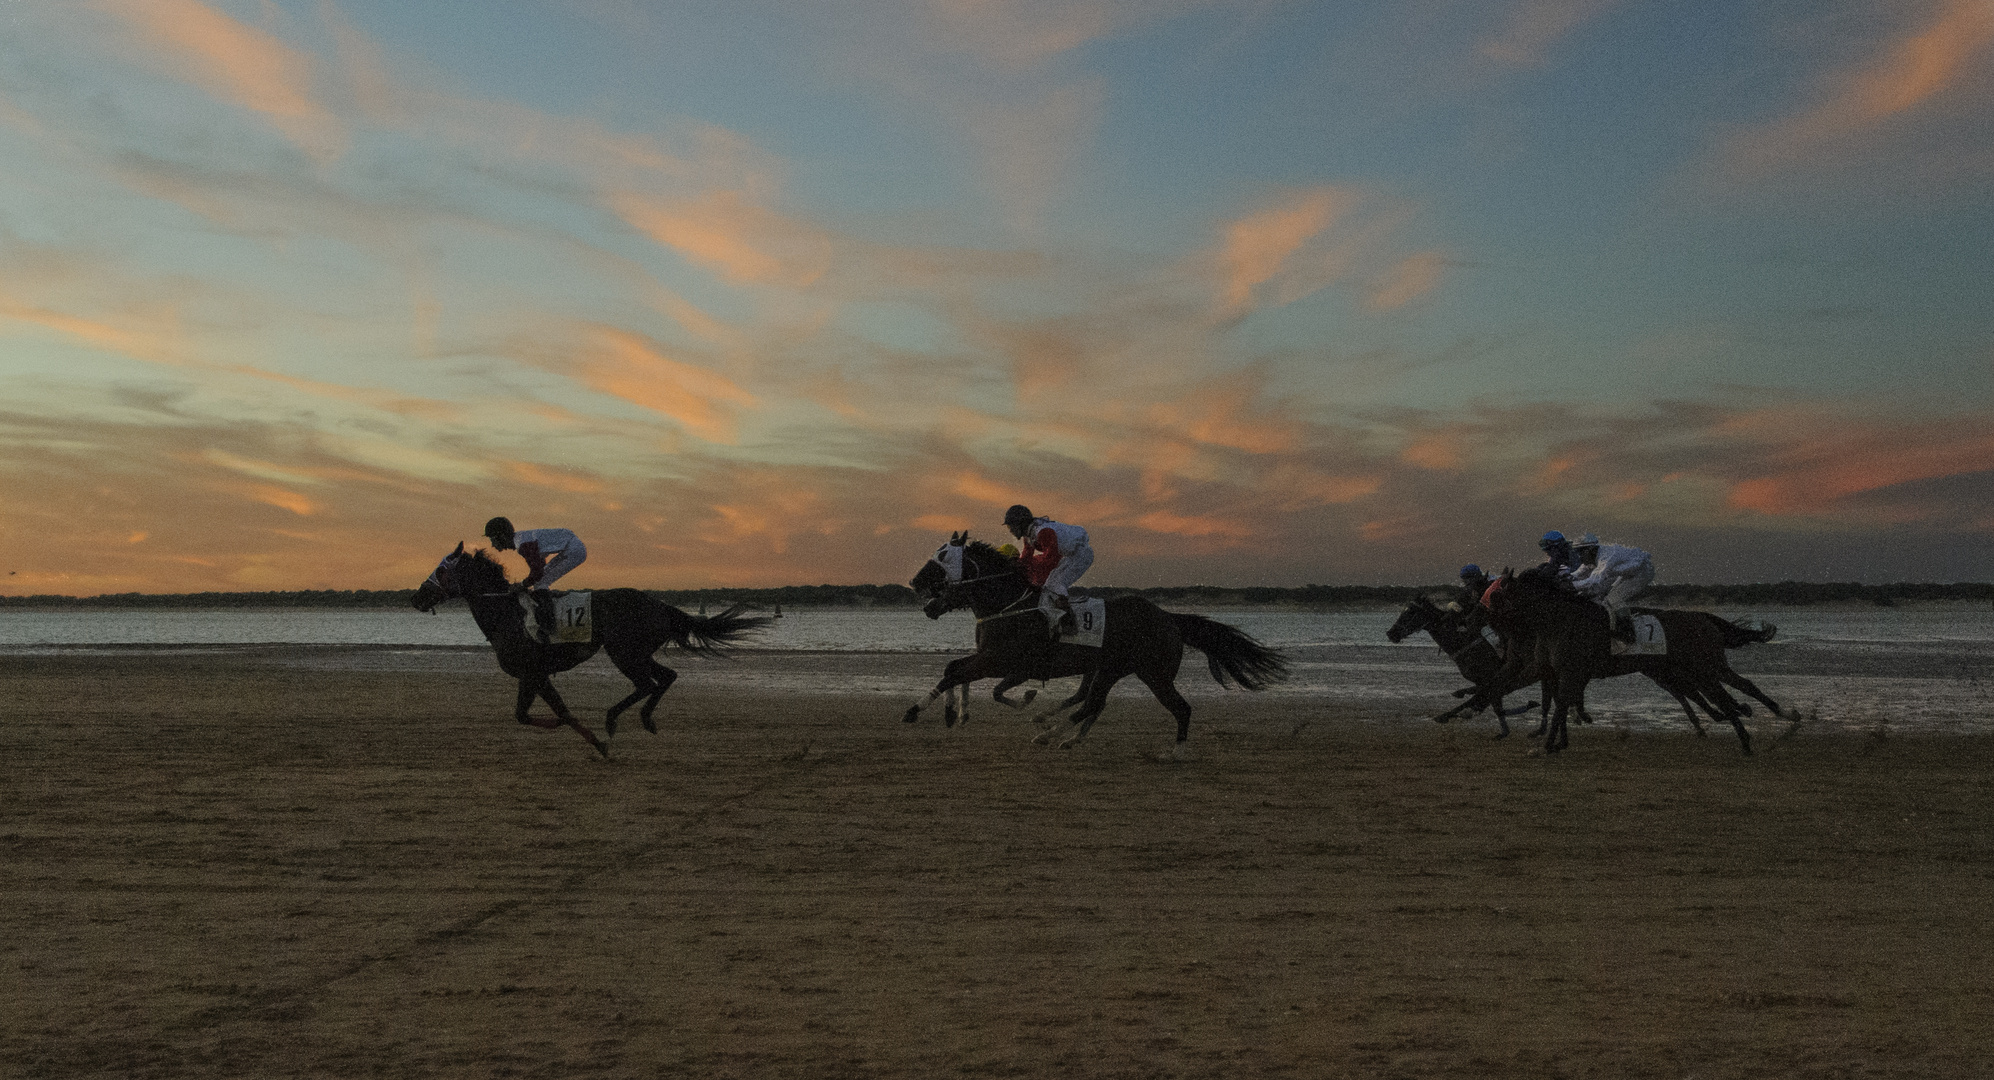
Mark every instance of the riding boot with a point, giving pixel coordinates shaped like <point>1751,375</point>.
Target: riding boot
<point>1623,627</point>
<point>543,613</point>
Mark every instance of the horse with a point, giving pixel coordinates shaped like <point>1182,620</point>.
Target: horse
<point>1141,639</point>
<point>1484,665</point>
<point>628,624</point>
<point>1571,636</point>
<point>1477,659</point>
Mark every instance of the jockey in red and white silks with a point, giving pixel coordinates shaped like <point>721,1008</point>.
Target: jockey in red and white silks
<point>1055,555</point>
<point>549,553</point>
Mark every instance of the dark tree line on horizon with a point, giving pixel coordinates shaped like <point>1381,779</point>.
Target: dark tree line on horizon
<point>1779,594</point>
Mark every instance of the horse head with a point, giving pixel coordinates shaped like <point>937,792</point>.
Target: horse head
<point>959,571</point>
<point>459,574</point>
<point>942,569</point>
<point>1417,616</point>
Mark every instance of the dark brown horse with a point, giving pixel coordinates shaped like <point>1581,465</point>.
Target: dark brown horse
<point>1458,633</point>
<point>627,624</point>
<point>1572,648</point>
<point>1141,639</point>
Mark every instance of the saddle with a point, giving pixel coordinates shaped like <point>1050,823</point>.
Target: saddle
<point>567,618</point>
<point>1649,637</point>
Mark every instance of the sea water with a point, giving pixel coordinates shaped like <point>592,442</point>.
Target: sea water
<point>1922,668</point>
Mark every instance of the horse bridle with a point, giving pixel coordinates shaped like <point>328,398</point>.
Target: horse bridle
<point>951,590</point>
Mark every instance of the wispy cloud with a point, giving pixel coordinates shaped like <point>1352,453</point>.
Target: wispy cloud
<point>236,63</point>
<point>1532,27</point>
<point>1942,62</point>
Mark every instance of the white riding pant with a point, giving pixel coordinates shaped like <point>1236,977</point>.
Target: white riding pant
<point>1066,573</point>
<point>1627,587</point>
<point>557,568</point>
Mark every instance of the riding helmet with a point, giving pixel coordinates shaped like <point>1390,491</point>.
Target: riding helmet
<point>1552,539</point>
<point>1018,515</point>
<point>498,526</point>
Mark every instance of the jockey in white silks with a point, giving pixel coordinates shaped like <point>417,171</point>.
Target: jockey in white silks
<point>549,553</point>
<point>1612,574</point>
<point>1055,555</point>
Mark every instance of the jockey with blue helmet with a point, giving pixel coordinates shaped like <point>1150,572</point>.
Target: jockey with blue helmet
<point>1557,551</point>
<point>1474,582</point>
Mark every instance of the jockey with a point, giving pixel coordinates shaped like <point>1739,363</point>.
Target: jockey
<point>1612,574</point>
<point>1475,583</point>
<point>1558,552</point>
<point>1055,555</point>
<point>549,555</point>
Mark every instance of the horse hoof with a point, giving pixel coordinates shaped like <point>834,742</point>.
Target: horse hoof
<point>1029,695</point>
<point>948,717</point>
<point>650,725</point>
<point>913,714</point>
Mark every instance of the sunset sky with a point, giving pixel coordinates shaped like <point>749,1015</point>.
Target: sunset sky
<point>297,293</point>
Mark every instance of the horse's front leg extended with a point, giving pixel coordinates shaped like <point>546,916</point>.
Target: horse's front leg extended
<point>959,671</point>
<point>553,699</point>
<point>529,688</point>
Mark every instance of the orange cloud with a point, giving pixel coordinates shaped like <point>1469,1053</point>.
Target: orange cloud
<point>566,480</point>
<point>723,233</point>
<point>627,366</point>
<point>1257,247</point>
<point>1825,470</point>
<point>1440,452</point>
<point>238,64</point>
<point>986,491</point>
<point>288,500</point>
<point>1413,277</point>
<point>1534,26</point>
<point>1162,521</point>
<point>1220,413</point>
<point>1913,70</point>
<point>99,334</point>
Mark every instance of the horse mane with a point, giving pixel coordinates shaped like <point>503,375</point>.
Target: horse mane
<point>983,550</point>
<point>481,561</point>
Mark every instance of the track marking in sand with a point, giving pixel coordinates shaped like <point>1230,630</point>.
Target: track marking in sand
<point>434,942</point>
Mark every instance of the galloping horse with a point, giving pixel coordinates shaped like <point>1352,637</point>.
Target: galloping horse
<point>1477,659</point>
<point>628,625</point>
<point>1141,639</point>
<point>1572,634</point>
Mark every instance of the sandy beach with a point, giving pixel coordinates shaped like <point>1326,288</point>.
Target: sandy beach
<point>281,862</point>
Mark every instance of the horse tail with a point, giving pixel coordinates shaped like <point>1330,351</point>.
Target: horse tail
<point>1739,634</point>
<point>713,633</point>
<point>1232,652</point>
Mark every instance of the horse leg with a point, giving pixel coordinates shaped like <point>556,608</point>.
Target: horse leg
<point>956,672</point>
<point>1005,687</point>
<point>1689,710</point>
<point>529,688</point>
<point>1725,673</point>
<point>662,679</point>
<point>1166,694</point>
<point>637,670</point>
<point>553,699</point>
<point>1049,717</point>
<point>1079,696</point>
<point>1097,700</point>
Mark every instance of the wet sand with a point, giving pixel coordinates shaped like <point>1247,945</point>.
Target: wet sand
<point>313,862</point>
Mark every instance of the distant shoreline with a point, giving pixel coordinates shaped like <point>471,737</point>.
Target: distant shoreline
<point>847,597</point>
